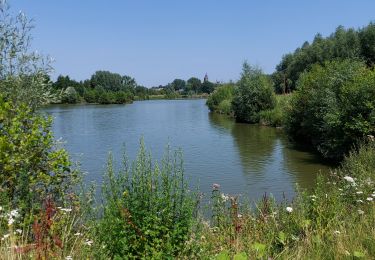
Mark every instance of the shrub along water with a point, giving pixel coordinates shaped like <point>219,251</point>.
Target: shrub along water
<point>253,94</point>
<point>333,107</point>
<point>220,101</point>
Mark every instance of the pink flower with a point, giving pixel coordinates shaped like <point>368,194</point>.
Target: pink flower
<point>215,186</point>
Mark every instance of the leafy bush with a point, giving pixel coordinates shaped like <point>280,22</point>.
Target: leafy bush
<point>148,211</point>
<point>334,107</point>
<point>70,96</point>
<point>275,116</point>
<point>31,167</point>
<point>220,100</point>
<point>253,95</point>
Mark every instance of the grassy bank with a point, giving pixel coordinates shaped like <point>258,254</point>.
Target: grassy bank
<point>148,211</point>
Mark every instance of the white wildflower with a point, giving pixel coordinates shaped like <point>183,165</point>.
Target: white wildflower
<point>336,232</point>
<point>66,210</point>
<point>289,209</point>
<point>89,242</point>
<point>19,231</point>
<point>10,221</point>
<point>14,213</point>
<point>5,237</point>
<point>340,189</point>
<point>349,179</point>
<point>313,196</point>
<point>360,212</point>
<point>373,195</point>
<point>239,215</point>
<point>1,208</point>
<point>224,197</point>
<point>369,199</point>
<point>360,201</point>
<point>359,192</point>
<point>78,234</point>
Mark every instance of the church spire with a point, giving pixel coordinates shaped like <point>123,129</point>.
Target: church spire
<point>205,78</point>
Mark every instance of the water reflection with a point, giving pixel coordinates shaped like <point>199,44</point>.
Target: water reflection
<point>244,159</point>
<point>269,161</point>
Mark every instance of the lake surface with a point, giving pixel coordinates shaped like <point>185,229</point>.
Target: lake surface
<point>244,159</point>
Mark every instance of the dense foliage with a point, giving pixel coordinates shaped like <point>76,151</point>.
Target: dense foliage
<point>334,107</point>
<point>253,94</point>
<point>31,167</point>
<point>148,211</point>
<point>23,73</point>
<point>221,99</point>
<point>342,44</point>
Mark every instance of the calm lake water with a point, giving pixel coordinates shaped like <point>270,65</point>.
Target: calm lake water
<point>244,159</point>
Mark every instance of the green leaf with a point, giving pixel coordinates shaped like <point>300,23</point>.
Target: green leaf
<point>240,256</point>
<point>223,256</point>
<point>282,237</point>
<point>358,254</point>
<point>260,248</point>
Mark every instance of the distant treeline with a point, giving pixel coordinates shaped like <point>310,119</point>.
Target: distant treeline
<point>342,44</point>
<point>105,87</point>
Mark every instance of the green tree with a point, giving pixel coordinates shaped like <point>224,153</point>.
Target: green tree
<point>23,73</point>
<point>221,99</point>
<point>31,166</point>
<point>207,87</point>
<point>367,40</point>
<point>194,84</point>
<point>70,96</point>
<point>334,107</point>
<point>254,94</point>
<point>178,84</point>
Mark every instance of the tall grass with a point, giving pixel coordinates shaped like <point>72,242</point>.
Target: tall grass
<point>336,220</point>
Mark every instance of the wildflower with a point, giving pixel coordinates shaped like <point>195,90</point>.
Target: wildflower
<point>340,189</point>
<point>349,179</point>
<point>19,231</point>
<point>78,234</point>
<point>360,201</point>
<point>336,232</point>
<point>68,258</point>
<point>373,195</point>
<point>14,213</point>
<point>289,209</point>
<point>215,186</point>
<point>359,192</point>
<point>369,199</point>
<point>239,216</point>
<point>5,237</point>
<point>313,196</point>
<point>224,197</point>
<point>1,208</point>
<point>65,210</point>
<point>89,242</point>
<point>360,212</point>
<point>10,221</point>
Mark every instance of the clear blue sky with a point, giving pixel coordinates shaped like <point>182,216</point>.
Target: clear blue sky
<point>158,41</point>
